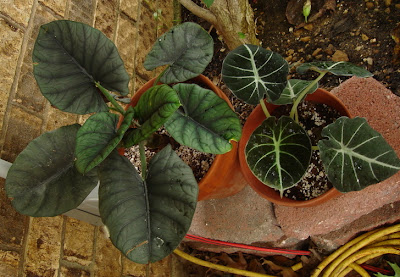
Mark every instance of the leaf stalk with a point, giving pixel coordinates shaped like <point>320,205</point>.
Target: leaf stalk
<point>110,98</point>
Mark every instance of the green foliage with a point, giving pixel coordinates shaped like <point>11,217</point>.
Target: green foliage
<point>43,180</point>
<point>278,153</point>
<point>353,154</point>
<point>205,123</point>
<point>77,68</point>
<point>252,73</point>
<point>69,57</point>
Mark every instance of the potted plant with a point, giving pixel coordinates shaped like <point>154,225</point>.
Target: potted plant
<point>77,68</point>
<point>275,152</point>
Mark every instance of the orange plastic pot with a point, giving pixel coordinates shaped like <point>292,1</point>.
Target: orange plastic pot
<point>253,121</point>
<point>224,177</point>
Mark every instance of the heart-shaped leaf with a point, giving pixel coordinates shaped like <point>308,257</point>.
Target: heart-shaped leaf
<point>355,155</point>
<point>205,123</point>
<point>279,153</point>
<point>153,109</point>
<point>43,180</point>
<point>336,68</point>
<point>147,219</point>
<point>293,89</point>
<point>98,137</point>
<point>252,72</point>
<point>69,57</point>
<point>187,49</point>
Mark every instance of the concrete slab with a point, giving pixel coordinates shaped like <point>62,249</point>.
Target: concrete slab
<point>243,218</point>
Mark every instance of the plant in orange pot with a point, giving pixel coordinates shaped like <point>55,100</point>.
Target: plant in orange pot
<point>275,151</point>
<point>77,68</point>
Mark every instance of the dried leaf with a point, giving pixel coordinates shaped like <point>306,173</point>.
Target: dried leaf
<point>283,271</point>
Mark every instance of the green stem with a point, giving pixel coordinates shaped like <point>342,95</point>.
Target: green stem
<point>264,108</point>
<point>110,98</point>
<point>142,152</point>
<point>305,91</point>
<point>159,76</point>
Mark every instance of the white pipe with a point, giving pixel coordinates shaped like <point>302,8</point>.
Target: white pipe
<point>4,167</point>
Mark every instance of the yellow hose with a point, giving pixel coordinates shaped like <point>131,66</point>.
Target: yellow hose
<point>219,267</point>
<point>359,250</point>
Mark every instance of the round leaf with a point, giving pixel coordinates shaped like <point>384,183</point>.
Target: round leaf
<point>187,49</point>
<point>205,123</point>
<point>98,137</point>
<point>355,155</point>
<point>43,180</point>
<point>147,220</point>
<point>252,72</point>
<point>68,58</point>
<point>153,109</point>
<point>279,153</point>
<point>293,89</point>
<point>336,68</point>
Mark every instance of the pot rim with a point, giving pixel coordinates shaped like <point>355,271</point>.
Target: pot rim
<point>253,121</point>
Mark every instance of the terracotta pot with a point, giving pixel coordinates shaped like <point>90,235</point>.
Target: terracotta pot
<point>253,121</point>
<point>224,177</point>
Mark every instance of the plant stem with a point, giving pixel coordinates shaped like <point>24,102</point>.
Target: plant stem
<point>110,98</point>
<point>305,91</point>
<point>143,159</point>
<point>264,108</point>
<point>159,76</point>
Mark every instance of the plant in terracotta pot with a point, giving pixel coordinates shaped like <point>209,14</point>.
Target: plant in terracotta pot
<point>77,68</point>
<point>275,152</point>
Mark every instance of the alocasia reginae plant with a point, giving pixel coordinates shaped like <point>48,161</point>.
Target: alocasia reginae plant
<point>279,150</point>
<point>77,68</point>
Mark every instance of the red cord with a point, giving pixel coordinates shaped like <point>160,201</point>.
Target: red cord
<point>250,247</point>
<point>272,250</point>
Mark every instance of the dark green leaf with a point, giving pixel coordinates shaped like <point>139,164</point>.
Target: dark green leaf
<point>68,58</point>
<point>187,49</point>
<point>154,108</point>
<point>336,68</point>
<point>355,155</point>
<point>98,137</point>
<point>293,90</point>
<point>279,153</point>
<point>252,72</point>
<point>147,220</point>
<point>43,180</point>
<point>205,123</point>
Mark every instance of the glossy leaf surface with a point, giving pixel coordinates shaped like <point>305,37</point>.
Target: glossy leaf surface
<point>355,155</point>
<point>205,122</point>
<point>43,180</point>
<point>153,109</point>
<point>147,219</point>
<point>98,137</point>
<point>278,153</point>
<point>293,89</point>
<point>69,57</point>
<point>187,49</point>
<point>336,68</point>
<point>252,72</point>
